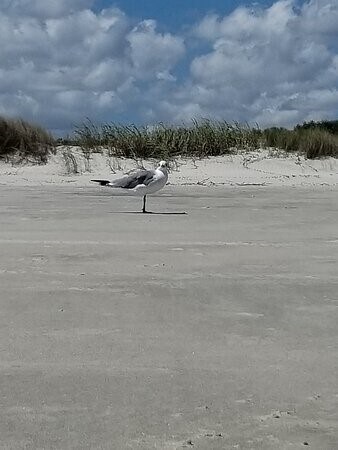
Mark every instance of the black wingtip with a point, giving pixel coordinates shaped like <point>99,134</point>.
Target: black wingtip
<point>102,182</point>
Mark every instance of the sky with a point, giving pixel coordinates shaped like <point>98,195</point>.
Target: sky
<point>271,63</point>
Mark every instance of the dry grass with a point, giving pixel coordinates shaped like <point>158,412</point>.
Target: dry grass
<point>22,141</point>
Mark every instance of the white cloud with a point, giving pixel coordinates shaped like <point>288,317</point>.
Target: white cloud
<point>44,8</point>
<point>151,51</point>
<point>264,61</point>
<point>68,62</point>
<point>60,62</point>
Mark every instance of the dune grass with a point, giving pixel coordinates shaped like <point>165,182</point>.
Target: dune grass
<point>21,140</point>
<point>200,139</point>
<point>311,142</point>
<point>330,126</point>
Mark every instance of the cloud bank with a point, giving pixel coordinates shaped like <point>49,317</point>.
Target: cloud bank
<point>62,62</point>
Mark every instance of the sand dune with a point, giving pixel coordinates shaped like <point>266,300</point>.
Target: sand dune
<point>268,168</point>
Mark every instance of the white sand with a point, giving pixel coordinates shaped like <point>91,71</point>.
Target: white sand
<point>264,167</point>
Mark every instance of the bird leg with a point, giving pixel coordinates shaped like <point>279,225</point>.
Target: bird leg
<point>144,204</point>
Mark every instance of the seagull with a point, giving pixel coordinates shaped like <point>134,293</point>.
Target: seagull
<point>141,183</point>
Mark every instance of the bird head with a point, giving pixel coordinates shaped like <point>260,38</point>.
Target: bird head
<point>163,167</point>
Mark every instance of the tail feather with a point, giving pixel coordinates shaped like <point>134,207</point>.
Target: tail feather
<point>102,182</point>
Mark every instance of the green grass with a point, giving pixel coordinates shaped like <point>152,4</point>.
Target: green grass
<point>328,125</point>
<point>24,141</point>
<point>310,142</point>
<point>200,139</point>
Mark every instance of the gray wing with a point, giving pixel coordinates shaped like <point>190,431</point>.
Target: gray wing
<point>131,181</point>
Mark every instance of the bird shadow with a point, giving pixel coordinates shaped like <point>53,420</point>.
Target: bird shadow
<point>150,213</point>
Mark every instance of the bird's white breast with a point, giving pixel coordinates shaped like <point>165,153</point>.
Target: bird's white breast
<point>160,180</point>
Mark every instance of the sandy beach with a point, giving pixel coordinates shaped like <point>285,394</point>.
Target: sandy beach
<point>262,168</point>
<point>194,304</point>
<point>211,330</point>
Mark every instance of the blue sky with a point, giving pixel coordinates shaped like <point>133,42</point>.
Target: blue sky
<point>274,63</point>
<point>174,14</point>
